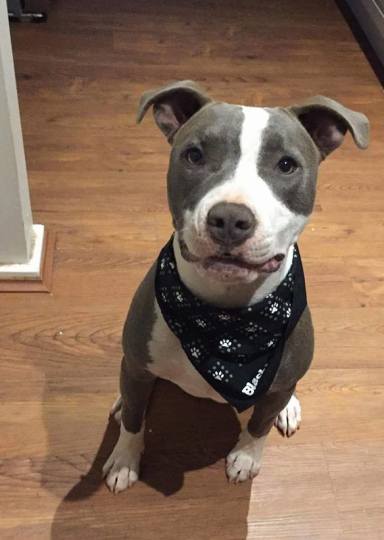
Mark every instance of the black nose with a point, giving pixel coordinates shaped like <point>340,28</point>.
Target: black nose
<point>230,224</point>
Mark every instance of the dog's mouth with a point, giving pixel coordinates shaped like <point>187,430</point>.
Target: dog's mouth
<point>232,263</point>
<point>228,261</point>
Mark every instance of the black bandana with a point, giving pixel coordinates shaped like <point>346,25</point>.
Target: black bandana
<point>236,350</point>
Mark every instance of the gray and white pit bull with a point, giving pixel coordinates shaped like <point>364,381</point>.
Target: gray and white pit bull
<point>257,167</point>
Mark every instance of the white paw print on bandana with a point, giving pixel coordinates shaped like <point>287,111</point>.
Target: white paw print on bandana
<point>220,372</point>
<point>195,352</point>
<point>273,308</point>
<point>179,297</point>
<point>175,326</point>
<point>218,375</point>
<point>201,322</point>
<point>224,317</point>
<point>253,328</point>
<point>228,345</point>
<point>288,282</point>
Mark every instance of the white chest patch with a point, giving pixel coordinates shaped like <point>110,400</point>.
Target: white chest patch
<point>170,362</point>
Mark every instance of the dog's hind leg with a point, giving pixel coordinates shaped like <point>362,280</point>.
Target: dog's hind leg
<point>122,467</point>
<point>244,461</point>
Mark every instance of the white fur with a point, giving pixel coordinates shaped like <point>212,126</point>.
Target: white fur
<point>244,461</point>
<point>171,363</point>
<point>288,421</point>
<point>122,467</point>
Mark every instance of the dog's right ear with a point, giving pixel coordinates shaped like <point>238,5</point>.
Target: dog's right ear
<point>173,105</point>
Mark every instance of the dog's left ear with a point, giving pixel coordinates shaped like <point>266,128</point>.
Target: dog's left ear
<point>327,122</point>
<point>173,105</point>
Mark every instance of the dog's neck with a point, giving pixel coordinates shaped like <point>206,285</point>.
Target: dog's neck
<point>229,295</point>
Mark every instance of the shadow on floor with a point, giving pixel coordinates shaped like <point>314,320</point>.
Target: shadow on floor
<point>183,434</point>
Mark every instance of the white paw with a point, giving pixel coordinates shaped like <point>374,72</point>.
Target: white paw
<point>288,421</point>
<point>121,469</point>
<point>244,461</point>
<point>241,466</point>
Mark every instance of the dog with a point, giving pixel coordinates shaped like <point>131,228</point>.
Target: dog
<point>241,187</point>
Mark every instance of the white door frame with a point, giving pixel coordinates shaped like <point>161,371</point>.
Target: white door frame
<point>18,236</point>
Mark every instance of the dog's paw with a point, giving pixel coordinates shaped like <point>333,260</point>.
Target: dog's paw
<point>244,461</point>
<point>288,421</point>
<point>241,466</point>
<point>121,469</point>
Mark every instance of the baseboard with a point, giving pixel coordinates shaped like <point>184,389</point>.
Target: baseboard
<point>32,281</point>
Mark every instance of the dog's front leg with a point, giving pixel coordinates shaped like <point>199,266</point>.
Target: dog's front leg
<point>244,461</point>
<point>122,467</point>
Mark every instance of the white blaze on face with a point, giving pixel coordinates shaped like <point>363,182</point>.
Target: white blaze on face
<point>277,226</point>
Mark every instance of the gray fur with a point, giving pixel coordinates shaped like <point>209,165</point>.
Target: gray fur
<point>327,121</point>
<point>136,381</point>
<point>216,128</point>
<point>285,136</point>
<point>173,105</point>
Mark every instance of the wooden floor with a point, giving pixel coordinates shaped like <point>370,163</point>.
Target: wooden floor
<point>98,180</point>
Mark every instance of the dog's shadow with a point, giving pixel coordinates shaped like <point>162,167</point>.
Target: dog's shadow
<point>182,434</point>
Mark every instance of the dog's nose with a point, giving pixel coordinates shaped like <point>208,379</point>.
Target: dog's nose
<point>230,224</point>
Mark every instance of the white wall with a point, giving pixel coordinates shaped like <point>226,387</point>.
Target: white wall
<point>15,210</point>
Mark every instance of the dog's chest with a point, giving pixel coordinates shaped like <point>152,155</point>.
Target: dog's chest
<point>170,362</point>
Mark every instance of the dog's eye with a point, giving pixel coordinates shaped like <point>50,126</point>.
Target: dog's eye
<point>287,165</point>
<point>194,155</point>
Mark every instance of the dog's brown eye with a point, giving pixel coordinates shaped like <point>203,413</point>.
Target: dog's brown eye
<point>194,156</point>
<point>287,165</point>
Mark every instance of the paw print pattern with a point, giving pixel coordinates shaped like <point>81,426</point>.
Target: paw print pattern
<point>288,282</point>
<point>229,345</point>
<point>255,329</point>
<point>166,266</point>
<point>196,350</point>
<point>179,298</point>
<point>224,317</point>
<point>176,327</point>
<point>218,375</point>
<point>164,296</point>
<point>219,372</point>
<point>274,309</point>
<point>201,323</point>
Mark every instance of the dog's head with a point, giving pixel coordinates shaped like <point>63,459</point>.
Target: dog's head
<point>242,180</point>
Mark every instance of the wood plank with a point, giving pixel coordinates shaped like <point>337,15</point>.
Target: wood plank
<point>98,180</point>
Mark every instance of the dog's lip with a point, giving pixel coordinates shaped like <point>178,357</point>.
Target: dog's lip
<point>270,265</point>
<point>228,260</point>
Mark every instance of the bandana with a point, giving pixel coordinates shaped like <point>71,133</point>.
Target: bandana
<point>237,351</point>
